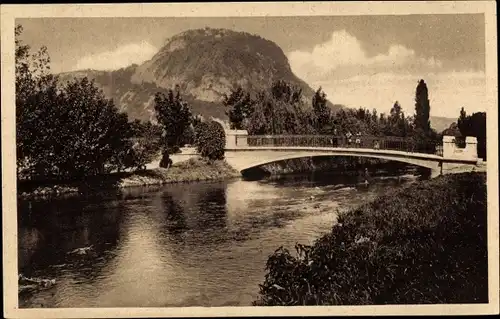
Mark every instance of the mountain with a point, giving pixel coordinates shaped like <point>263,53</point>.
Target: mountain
<point>206,64</point>
<point>440,123</point>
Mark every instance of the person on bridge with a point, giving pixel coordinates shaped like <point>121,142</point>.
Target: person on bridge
<point>335,140</point>
<point>358,139</point>
<point>349,137</point>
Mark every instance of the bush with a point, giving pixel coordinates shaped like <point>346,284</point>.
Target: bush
<point>210,140</point>
<point>423,244</point>
<point>71,132</point>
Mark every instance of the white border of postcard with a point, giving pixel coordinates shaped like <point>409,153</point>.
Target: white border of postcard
<point>10,12</point>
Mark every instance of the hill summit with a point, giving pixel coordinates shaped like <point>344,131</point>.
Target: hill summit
<point>205,63</point>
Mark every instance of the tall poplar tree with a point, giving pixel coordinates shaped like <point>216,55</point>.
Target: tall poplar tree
<point>422,108</point>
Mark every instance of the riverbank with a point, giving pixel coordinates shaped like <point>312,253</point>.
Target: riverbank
<point>192,170</point>
<point>422,244</point>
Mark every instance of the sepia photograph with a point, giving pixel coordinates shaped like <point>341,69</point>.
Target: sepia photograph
<point>249,159</point>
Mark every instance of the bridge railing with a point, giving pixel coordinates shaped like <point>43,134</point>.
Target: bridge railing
<point>370,142</point>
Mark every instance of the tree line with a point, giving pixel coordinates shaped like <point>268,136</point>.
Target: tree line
<point>72,131</point>
<point>282,109</point>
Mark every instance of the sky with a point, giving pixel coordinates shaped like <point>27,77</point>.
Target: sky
<point>368,61</point>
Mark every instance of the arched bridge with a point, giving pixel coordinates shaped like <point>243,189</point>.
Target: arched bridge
<point>244,151</point>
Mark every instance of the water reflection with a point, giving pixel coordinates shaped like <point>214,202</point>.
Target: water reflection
<point>212,215</point>
<point>175,220</point>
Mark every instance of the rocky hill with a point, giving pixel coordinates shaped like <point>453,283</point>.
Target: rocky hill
<point>206,64</point>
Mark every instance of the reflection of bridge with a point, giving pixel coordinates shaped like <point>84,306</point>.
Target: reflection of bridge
<point>244,152</point>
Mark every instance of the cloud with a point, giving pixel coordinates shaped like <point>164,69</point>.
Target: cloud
<point>448,91</point>
<point>122,56</point>
<point>343,56</point>
<point>350,77</point>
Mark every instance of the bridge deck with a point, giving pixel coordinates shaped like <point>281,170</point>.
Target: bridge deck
<point>354,151</point>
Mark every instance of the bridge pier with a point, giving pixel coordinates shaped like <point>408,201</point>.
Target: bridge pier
<point>452,151</point>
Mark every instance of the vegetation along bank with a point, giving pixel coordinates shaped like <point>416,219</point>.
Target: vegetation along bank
<point>422,244</point>
<point>192,170</point>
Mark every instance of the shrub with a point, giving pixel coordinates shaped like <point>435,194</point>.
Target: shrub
<point>174,116</point>
<point>422,244</point>
<point>210,140</point>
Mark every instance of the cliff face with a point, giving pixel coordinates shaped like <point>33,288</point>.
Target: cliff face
<point>205,63</point>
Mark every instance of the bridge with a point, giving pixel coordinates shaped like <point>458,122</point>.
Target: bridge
<point>245,151</point>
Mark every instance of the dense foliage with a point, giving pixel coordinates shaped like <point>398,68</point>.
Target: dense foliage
<point>239,106</point>
<point>174,115</point>
<point>282,109</point>
<point>210,140</point>
<point>422,244</point>
<point>474,125</point>
<point>321,111</point>
<point>279,110</point>
<point>65,130</point>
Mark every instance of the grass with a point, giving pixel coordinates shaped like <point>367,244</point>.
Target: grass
<point>422,244</point>
<point>192,170</point>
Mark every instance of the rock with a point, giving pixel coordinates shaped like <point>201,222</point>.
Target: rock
<point>81,251</point>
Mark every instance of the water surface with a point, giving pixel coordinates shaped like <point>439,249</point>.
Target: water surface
<point>199,244</point>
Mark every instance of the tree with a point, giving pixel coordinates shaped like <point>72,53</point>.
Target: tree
<point>396,122</point>
<point>174,116</point>
<point>64,130</point>
<point>240,107</point>
<point>211,140</point>
<point>463,122</point>
<point>322,112</point>
<point>146,146</point>
<point>99,134</point>
<point>452,130</point>
<point>474,125</point>
<point>279,110</point>
<point>34,84</point>
<point>422,108</point>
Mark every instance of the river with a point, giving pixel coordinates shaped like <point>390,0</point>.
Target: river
<point>197,244</point>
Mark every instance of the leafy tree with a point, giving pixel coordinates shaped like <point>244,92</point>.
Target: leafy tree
<point>279,110</point>
<point>174,116</point>
<point>397,124</point>
<point>452,130</point>
<point>211,140</point>
<point>64,130</point>
<point>97,131</point>
<point>321,111</point>
<point>146,144</point>
<point>240,107</point>
<point>34,85</point>
<point>474,125</point>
